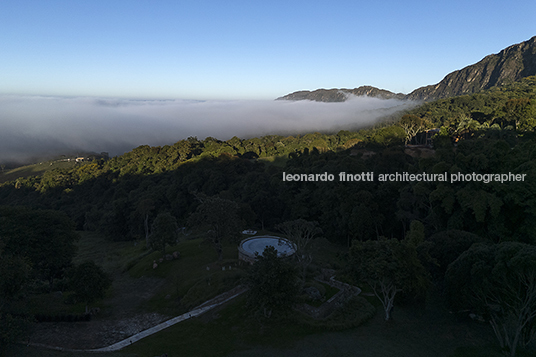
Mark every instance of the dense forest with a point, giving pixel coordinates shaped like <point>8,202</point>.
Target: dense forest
<point>108,195</point>
<point>490,132</point>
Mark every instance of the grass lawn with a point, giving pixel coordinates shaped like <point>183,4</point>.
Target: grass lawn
<point>220,332</point>
<point>111,256</point>
<point>412,333</point>
<point>28,351</point>
<point>192,279</point>
<point>186,282</point>
<point>34,170</point>
<point>228,331</point>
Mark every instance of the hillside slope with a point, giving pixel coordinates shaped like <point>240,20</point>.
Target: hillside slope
<point>509,65</point>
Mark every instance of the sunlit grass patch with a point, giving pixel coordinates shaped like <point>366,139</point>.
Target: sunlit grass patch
<point>34,170</point>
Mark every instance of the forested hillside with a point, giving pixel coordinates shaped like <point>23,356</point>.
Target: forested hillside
<point>107,195</point>
<point>510,106</point>
<point>488,134</point>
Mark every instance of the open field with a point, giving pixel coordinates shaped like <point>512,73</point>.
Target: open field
<point>34,169</point>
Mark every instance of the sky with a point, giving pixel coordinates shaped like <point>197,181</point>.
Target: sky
<point>204,50</point>
<point>112,75</point>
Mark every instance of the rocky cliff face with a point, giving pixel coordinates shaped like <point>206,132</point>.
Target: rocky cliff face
<point>510,65</point>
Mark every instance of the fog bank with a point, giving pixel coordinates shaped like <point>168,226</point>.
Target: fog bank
<point>36,125</point>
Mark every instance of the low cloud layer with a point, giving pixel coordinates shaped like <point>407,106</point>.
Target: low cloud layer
<point>32,125</point>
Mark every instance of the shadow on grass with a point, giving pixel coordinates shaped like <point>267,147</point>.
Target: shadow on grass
<point>414,332</point>
<point>230,331</point>
<point>28,351</point>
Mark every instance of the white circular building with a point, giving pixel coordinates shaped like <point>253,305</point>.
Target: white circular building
<point>248,247</point>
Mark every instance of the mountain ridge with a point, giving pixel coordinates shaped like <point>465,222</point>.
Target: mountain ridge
<point>507,66</point>
<point>342,94</point>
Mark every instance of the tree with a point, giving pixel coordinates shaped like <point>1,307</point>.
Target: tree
<point>273,284</point>
<point>412,125</point>
<point>365,216</point>
<point>45,237</point>
<point>219,216</point>
<point>14,272</point>
<point>89,282</point>
<point>301,233</point>
<point>499,283</point>
<point>164,231</point>
<point>519,112</point>
<point>447,246</point>
<point>388,266</point>
<point>145,207</point>
<point>115,222</point>
<point>467,125</point>
<point>415,235</point>
<point>390,135</point>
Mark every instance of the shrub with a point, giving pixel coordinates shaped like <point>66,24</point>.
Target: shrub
<point>354,313</point>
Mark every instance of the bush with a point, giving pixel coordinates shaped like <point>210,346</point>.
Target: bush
<point>320,287</point>
<point>354,313</point>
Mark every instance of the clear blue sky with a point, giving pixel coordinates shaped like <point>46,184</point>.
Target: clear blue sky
<point>245,49</point>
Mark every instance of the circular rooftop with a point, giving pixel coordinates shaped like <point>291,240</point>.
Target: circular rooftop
<point>248,247</point>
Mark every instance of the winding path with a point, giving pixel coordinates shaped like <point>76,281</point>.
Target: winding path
<point>206,306</point>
